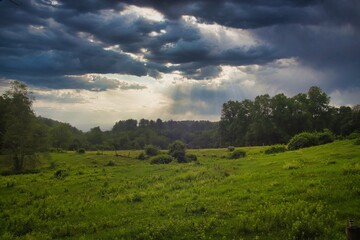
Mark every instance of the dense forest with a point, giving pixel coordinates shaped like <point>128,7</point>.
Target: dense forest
<point>263,121</point>
<point>270,120</point>
<point>133,134</point>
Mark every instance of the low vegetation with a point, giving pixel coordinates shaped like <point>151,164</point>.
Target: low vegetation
<point>307,139</point>
<point>151,150</point>
<point>238,153</point>
<point>161,159</point>
<point>275,149</point>
<point>304,194</point>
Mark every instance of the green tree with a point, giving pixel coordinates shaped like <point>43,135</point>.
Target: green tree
<point>95,137</point>
<point>318,107</point>
<point>355,121</point>
<point>23,137</point>
<point>281,116</point>
<point>61,136</point>
<point>261,130</point>
<point>2,119</point>
<point>178,150</point>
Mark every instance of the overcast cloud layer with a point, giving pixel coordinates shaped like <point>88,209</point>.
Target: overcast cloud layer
<point>98,61</point>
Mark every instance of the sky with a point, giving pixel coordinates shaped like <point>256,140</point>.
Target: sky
<point>95,62</point>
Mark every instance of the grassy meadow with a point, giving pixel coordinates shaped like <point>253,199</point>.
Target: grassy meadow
<point>305,194</point>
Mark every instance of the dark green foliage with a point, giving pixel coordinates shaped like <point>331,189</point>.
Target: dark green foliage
<point>303,140</point>
<point>178,150</point>
<point>357,141</point>
<point>57,150</point>
<point>354,135</point>
<point>141,156</point>
<point>161,159</point>
<point>191,157</point>
<point>307,139</point>
<point>61,174</point>
<point>267,121</point>
<point>81,150</point>
<point>21,135</point>
<point>238,153</point>
<point>151,150</point>
<point>275,149</point>
<point>325,137</point>
<point>130,134</point>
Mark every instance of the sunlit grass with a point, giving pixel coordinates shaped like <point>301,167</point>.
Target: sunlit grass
<point>306,194</point>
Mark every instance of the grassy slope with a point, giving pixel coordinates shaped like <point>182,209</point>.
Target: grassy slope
<point>304,194</point>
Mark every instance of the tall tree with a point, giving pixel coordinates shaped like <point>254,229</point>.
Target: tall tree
<point>61,136</point>
<point>23,137</point>
<point>318,107</point>
<point>2,119</point>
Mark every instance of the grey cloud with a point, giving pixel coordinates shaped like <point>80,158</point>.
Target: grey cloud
<point>134,86</point>
<point>322,48</point>
<point>42,42</point>
<point>90,83</point>
<point>59,98</point>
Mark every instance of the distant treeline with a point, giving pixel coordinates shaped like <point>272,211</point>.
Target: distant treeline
<point>270,120</point>
<point>133,134</point>
<point>263,121</point>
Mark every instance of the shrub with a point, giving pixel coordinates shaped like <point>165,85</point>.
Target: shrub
<point>325,137</point>
<point>161,159</point>
<point>275,149</point>
<point>57,150</point>
<point>151,150</point>
<point>141,156</point>
<point>353,135</point>
<point>81,150</point>
<point>178,150</point>
<point>357,141</point>
<point>230,148</point>
<point>307,139</point>
<point>61,174</point>
<point>191,157</point>
<point>303,140</point>
<point>111,163</point>
<point>238,153</point>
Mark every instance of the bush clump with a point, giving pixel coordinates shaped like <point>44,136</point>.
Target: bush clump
<point>61,174</point>
<point>353,135</point>
<point>325,137</point>
<point>238,153</point>
<point>178,150</point>
<point>81,150</point>
<point>151,150</point>
<point>275,149</point>
<point>303,140</point>
<point>307,139</point>
<point>357,141</point>
<point>191,157</point>
<point>161,159</point>
<point>57,150</point>
<point>141,156</point>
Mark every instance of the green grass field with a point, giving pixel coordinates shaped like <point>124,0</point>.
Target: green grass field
<point>305,194</point>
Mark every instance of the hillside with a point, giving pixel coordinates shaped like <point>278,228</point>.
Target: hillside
<point>304,194</point>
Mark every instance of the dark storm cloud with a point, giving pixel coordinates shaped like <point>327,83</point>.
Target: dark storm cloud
<point>239,14</point>
<point>42,41</point>
<point>322,48</point>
